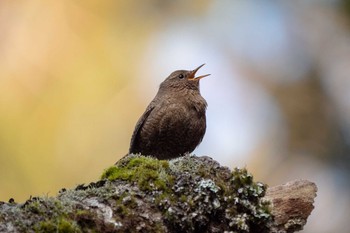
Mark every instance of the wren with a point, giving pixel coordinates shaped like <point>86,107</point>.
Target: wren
<point>174,123</point>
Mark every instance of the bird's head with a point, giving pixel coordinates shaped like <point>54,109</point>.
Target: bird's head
<point>183,79</point>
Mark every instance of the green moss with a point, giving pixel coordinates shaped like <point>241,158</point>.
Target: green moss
<point>202,171</point>
<point>34,207</point>
<point>245,186</point>
<point>114,173</point>
<point>67,226</point>
<point>46,226</point>
<point>192,194</point>
<point>86,220</point>
<point>124,204</point>
<point>62,226</point>
<point>82,213</point>
<point>164,198</point>
<point>246,199</point>
<point>121,210</point>
<point>149,173</point>
<point>193,187</point>
<point>183,198</point>
<point>131,203</point>
<point>213,193</point>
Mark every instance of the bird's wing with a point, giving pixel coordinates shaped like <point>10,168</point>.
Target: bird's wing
<point>139,125</point>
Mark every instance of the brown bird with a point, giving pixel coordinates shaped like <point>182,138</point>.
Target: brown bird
<point>174,122</point>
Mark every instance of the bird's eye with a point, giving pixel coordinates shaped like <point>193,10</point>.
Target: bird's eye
<point>181,76</point>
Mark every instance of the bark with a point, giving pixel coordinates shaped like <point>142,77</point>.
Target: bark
<point>292,204</point>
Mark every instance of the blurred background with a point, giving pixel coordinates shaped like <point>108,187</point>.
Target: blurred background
<point>76,75</point>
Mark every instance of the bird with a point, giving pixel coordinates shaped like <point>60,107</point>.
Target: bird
<point>174,123</point>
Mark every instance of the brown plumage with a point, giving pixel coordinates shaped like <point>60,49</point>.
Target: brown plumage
<point>174,122</point>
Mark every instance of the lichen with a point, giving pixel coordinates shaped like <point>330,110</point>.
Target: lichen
<point>200,190</point>
<point>143,194</point>
<point>294,224</point>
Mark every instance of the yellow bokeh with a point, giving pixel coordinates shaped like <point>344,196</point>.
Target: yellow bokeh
<point>64,73</point>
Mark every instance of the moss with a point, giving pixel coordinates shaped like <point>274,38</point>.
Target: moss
<point>124,204</point>
<point>244,185</point>
<point>202,171</point>
<point>147,179</point>
<point>248,213</point>
<point>121,210</point>
<point>130,202</point>
<point>47,226</point>
<point>62,225</point>
<point>67,226</point>
<point>34,207</point>
<point>86,220</point>
<point>207,191</point>
<point>191,194</point>
<point>163,199</point>
<point>192,191</point>
<point>183,198</point>
<point>149,173</point>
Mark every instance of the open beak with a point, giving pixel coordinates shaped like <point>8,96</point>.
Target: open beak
<point>193,73</point>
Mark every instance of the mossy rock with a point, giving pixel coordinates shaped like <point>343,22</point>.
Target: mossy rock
<point>144,194</point>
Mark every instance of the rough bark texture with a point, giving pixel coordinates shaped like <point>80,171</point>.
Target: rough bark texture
<point>291,204</point>
<point>188,194</point>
